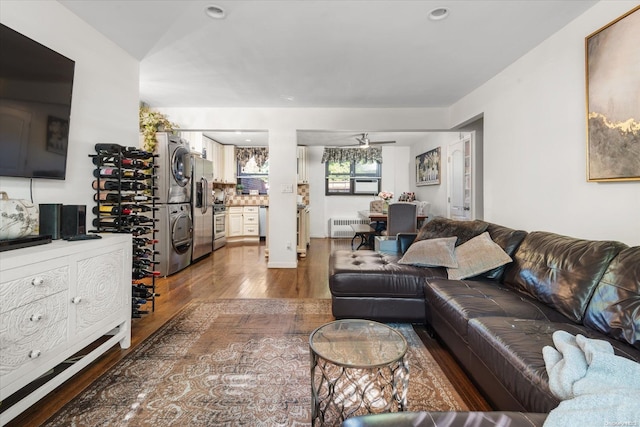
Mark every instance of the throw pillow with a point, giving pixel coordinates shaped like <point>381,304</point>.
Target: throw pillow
<point>476,256</point>
<point>431,253</point>
<point>445,227</point>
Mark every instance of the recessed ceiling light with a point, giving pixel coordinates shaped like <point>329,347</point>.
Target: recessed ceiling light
<point>247,140</point>
<point>215,12</point>
<point>439,13</point>
<point>287,97</point>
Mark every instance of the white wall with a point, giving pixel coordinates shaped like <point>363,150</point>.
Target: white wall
<point>535,142</point>
<point>105,96</point>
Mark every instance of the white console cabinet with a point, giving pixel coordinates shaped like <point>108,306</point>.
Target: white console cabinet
<point>56,299</point>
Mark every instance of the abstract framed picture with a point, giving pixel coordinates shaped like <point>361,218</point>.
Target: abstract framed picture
<point>428,167</point>
<point>613,107</point>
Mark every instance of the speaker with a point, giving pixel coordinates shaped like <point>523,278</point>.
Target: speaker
<point>74,218</point>
<point>50,219</point>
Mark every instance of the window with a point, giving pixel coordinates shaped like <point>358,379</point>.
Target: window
<point>352,177</point>
<point>253,177</point>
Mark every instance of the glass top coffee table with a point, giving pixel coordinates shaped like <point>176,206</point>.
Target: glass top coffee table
<point>358,367</point>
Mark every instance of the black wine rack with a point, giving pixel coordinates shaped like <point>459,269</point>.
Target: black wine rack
<point>125,184</point>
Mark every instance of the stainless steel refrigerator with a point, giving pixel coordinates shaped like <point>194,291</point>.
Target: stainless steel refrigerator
<point>202,207</point>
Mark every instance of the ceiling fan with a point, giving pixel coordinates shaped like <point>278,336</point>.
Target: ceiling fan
<point>364,141</point>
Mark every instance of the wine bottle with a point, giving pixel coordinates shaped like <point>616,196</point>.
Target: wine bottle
<point>108,148</point>
<point>107,172</point>
<point>140,273</point>
<point>141,208</point>
<point>142,241</point>
<point>122,185</point>
<point>122,162</point>
<point>134,174</point>
<point>111,210</point>
<point>141,220</point>
<point>115,222</point>
<point>144,252</point>
<point>107,197</point>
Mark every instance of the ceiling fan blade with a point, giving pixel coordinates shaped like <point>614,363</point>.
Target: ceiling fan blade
<point>381,142</point>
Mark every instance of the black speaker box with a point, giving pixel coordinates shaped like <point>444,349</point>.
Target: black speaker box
<point>74,218</point>
<point>50,219</point>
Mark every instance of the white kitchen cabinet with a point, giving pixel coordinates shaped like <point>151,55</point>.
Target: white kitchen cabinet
<point>303,176</point>
<point>217,158</point>
<point>235,221</point>
<point>229,167</point>
<point>251,220</point>
<point>57,299</point>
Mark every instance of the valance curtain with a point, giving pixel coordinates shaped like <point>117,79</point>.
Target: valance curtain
<point>260,154</point>
<point>366,155</point>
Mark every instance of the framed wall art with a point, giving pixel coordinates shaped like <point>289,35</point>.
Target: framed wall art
<point>613,110</point>
<point>428,167</point>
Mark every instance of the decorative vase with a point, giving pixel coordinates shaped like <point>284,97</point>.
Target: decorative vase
<point>385,206</point>
<point>18,218</point>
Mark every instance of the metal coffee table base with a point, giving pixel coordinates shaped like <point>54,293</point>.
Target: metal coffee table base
<point>339,392</point>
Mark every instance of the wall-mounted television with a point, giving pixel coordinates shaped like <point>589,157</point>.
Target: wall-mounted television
<point>35,107</point>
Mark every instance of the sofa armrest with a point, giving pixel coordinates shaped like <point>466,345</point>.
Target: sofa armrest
<point>405,240</point>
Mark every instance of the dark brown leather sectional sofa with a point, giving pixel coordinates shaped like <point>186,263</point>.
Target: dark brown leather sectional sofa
<point>497,323</point>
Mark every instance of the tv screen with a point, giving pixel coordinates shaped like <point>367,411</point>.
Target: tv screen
<point>35,107</point>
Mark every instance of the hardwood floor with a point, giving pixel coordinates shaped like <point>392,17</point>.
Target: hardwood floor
<point>234,271</point>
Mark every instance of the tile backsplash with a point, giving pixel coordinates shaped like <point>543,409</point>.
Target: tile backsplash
<point>233,199</point>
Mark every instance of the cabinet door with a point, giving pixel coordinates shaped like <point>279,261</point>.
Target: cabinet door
<point>229,164</point>
<point>235,225</point>
<point>99,293</point>
<point>302,165</point>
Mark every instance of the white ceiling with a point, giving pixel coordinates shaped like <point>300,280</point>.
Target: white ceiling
<point>331,53</point>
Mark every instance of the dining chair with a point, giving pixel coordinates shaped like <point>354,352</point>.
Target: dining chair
<point>401,218</point>
<point>377,206</point>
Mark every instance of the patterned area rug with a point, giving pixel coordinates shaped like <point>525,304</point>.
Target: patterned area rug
<point>233,362</point>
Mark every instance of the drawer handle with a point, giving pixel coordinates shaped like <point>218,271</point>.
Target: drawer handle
<point>37,281</point>
<point>36,317</point>
<point>76,300</point>
<point>34,354</point>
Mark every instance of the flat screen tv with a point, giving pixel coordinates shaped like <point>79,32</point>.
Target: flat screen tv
<point>35,107</point>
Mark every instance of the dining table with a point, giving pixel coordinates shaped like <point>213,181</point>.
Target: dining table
<point>381,218</point>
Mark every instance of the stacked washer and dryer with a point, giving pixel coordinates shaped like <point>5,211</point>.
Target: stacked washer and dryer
<point>175,225</point>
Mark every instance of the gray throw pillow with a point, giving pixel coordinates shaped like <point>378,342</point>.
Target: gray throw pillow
<point>476,256</point>
<point>444,227</point>
<point>431,253</point>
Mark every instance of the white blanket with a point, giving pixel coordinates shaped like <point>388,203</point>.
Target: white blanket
<point>597,388</point>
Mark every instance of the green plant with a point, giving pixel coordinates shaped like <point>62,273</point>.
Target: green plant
<point>152,122</point>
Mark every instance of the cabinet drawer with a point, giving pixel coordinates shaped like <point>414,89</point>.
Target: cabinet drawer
<point>251,210</point>
<point>31,331</point>
<point>234,210</point>
<point>250,230</point>
<point>32,286</point>
<point>251,219</point>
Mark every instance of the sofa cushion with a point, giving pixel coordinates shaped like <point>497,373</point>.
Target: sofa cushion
<point>560,271</point>
<point>367,273</point>
<point>448,419</point>
<point>477,256</point>
<point>511,348</point>
<point>459,301</point>
<point>509,240</point>
<point>431,253</point>
<point>614,308</point>
<point>444,227</point>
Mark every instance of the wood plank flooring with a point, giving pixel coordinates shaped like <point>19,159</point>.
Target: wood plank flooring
<point>234,271</point>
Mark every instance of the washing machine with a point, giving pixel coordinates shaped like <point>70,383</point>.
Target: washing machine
<point>175,238</point>
<point>174,169</point>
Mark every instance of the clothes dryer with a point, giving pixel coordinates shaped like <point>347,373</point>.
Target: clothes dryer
<point>175,238</point>
<point>174,169</point>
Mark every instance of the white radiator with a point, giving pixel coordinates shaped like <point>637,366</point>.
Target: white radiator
<point>341,227</point>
